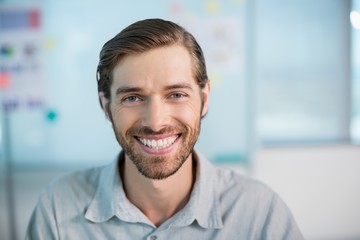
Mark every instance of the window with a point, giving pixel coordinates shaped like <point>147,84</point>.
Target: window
<point>302,71</point>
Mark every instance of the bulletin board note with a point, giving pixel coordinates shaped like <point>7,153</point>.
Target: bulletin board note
<point>22,73</point>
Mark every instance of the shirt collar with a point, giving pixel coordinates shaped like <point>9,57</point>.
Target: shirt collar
<point>204,201</point>
<point>110,199</point>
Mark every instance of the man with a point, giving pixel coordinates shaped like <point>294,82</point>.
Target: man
<point>154,89</point>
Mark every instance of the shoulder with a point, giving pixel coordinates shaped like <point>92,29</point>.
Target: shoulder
<point>254,206</point>
<point>241,183</point>
<point>77,186</point>
<point>236,188</point>
<point>64,200</point>
<point>76,179</point>
<point>231,185</point>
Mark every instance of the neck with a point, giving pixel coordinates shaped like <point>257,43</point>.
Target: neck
<point>158,199</point>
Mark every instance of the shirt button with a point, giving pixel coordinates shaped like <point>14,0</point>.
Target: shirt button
<point>153,237</point>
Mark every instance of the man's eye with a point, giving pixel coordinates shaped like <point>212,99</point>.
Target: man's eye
<point>131,99</point>
<point>177,95</point>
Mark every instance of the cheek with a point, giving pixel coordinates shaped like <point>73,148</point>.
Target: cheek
<point>188,114</point>
<point>123,119</point>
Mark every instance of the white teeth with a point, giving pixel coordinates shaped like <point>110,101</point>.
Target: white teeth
<point>158,144</point>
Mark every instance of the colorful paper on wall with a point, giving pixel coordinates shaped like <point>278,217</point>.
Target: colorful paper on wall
<point>22,78</point>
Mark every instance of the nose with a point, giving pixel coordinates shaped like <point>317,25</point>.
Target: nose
<point>155,114</point>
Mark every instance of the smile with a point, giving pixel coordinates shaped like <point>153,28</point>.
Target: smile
<point>158,144</point>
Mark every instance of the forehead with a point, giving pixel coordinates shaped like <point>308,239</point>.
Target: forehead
<point>164,65</point>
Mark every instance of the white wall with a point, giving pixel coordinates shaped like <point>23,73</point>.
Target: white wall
<point>319,184</point>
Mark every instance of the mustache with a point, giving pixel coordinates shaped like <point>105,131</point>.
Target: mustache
<point>144,130</point>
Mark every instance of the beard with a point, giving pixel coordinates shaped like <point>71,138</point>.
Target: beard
<point>158,167</point>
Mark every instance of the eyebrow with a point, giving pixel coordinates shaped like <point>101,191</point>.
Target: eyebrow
<point>129,89</point>
<point>178,86</point>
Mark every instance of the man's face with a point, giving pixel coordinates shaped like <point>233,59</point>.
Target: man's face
<point>156,108</point>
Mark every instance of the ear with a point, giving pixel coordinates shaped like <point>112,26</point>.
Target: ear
<point>105,104</point>
<point>205,97</point>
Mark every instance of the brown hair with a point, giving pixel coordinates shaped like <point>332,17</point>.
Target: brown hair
<point>143,36</point>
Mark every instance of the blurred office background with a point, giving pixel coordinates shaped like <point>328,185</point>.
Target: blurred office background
<point>284,108</point>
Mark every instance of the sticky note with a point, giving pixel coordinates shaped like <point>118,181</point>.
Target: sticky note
<point>5,80</point>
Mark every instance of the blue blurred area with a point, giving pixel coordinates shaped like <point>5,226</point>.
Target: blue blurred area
<point>355,70</point>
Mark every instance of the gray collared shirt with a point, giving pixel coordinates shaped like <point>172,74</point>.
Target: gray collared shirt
<point>223,205</point>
